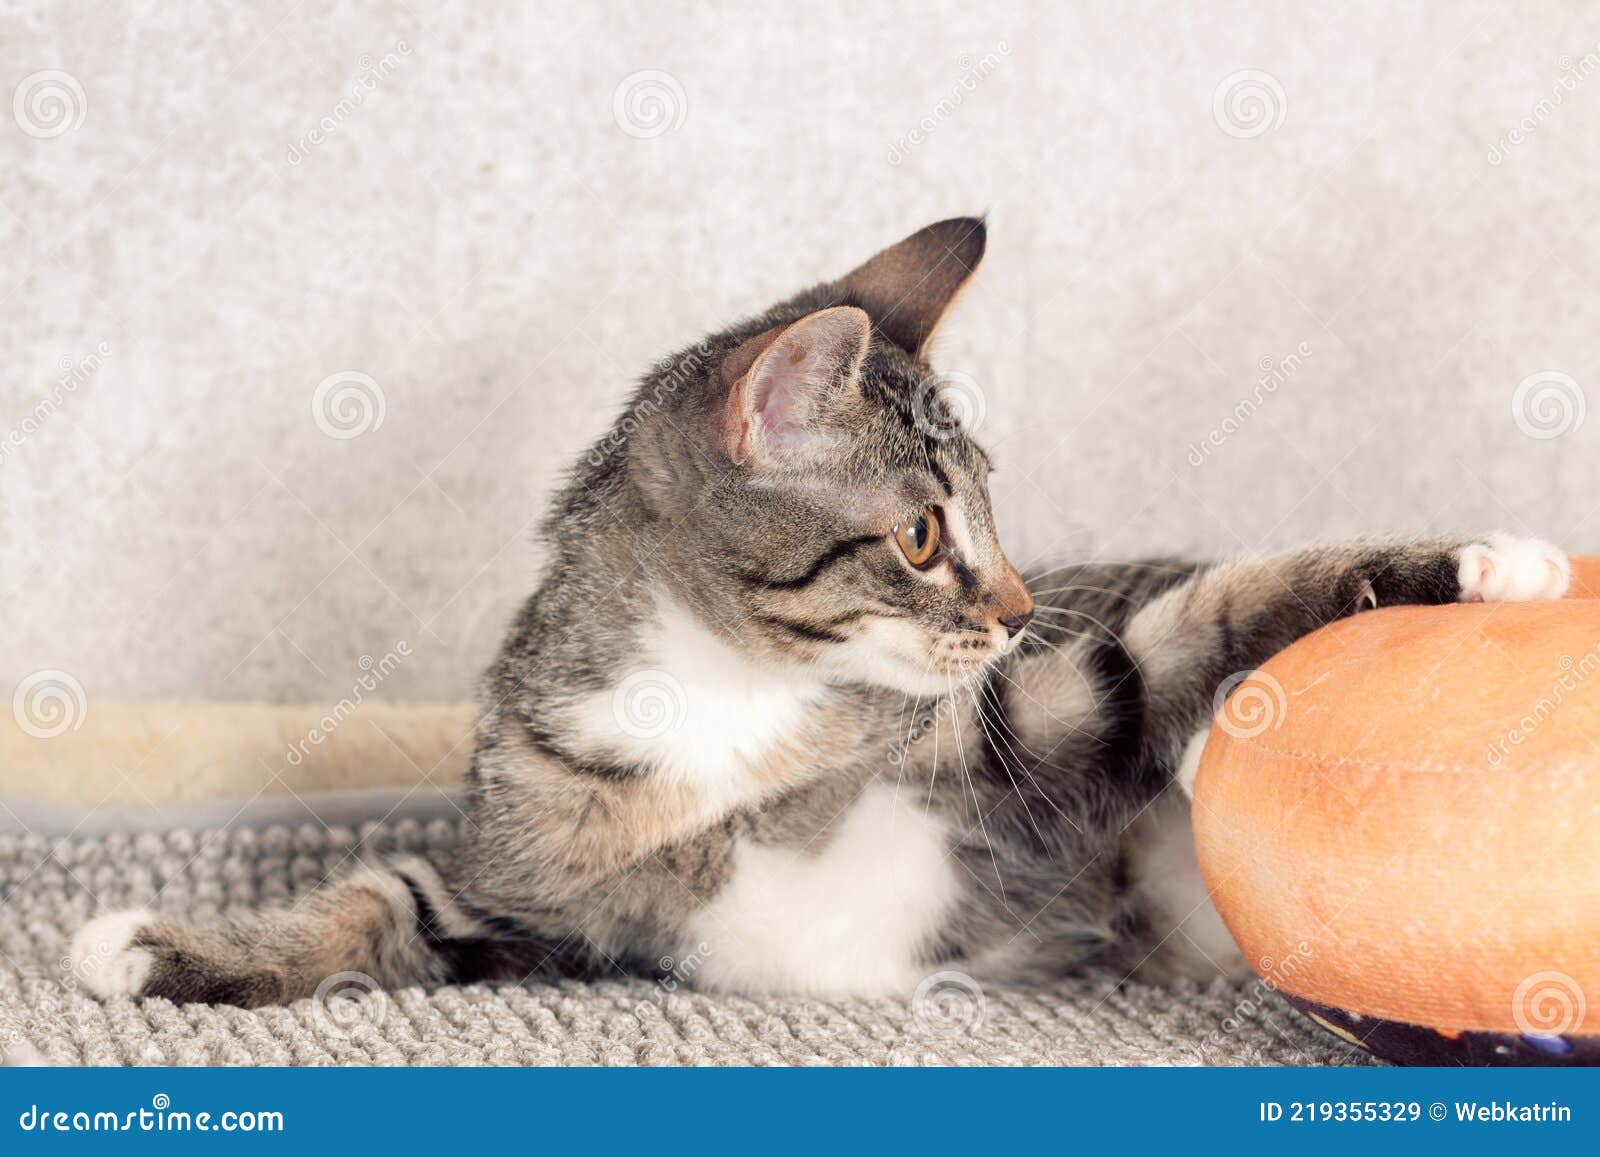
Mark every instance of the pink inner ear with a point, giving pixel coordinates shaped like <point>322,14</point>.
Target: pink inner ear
<point>776,406</point>
<point>781,392</point>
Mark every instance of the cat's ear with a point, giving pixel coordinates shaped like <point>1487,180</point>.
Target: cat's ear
<point>908,288</point>
<point>798,379</point>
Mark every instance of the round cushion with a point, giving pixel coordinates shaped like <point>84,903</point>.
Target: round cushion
<point>1398,818</point>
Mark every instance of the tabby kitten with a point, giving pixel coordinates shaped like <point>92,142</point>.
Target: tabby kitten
<point>777,707</point>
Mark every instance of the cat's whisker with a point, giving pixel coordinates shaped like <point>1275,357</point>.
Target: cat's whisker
<point>1023,766</point>
<point>1067,634</point>
<point>993,698</point>
<point>1045,622</point>
<point>1111,636</point>
<point>994,741</point>
<point>1056,718</point>
<point>1141,565</point>
<point>1123,595</point>
<point>904,752</point>
<point>977,804</point>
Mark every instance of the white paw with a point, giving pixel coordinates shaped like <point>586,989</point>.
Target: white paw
<point>101,958</point>
<point>1504,568</point>
<point>23,1055</point>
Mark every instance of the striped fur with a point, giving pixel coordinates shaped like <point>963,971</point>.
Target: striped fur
<point>736,726</point>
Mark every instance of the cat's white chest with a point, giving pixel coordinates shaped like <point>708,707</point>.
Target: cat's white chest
<point>694,708</point>
<point>855,915</point>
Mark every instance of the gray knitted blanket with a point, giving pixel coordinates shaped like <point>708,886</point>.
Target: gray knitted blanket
<point>49,886</point>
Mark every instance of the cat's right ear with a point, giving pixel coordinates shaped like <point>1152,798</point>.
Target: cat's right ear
<point>786,386</point>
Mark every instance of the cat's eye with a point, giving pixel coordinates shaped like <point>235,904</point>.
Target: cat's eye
<point>919,539</point>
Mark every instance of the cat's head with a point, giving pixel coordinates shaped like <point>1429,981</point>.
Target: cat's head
<point>814,496</point>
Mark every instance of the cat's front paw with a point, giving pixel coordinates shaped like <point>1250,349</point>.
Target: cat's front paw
<point>103,956</point>
<point>1504,568</point>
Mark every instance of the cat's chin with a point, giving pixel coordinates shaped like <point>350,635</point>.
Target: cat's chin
<point>891,654</point>
<point>879,668</point>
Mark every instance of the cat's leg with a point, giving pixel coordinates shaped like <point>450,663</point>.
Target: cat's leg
<point>1229,619</point>
<point>1225,622</point>
<point>396,924</point>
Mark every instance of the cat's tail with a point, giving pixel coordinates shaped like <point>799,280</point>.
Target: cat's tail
<point>382,926</point>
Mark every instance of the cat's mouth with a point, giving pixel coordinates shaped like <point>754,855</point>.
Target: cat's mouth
<point>965,653</point>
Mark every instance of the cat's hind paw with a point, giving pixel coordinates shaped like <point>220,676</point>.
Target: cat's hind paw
<point>1504,568</point>
<point>103,956</point>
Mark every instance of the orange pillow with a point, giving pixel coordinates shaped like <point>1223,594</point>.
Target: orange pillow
<point>1398,817</point>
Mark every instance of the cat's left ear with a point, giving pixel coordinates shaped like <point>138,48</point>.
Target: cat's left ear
<point>800,381</point>
<point>909,287</point>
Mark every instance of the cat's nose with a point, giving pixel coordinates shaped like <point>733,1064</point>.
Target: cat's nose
<point>1014,623</point>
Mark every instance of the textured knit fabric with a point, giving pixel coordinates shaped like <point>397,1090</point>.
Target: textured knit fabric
<point>50,886</point>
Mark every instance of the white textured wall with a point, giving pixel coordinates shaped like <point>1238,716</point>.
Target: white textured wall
<point>481,238</point>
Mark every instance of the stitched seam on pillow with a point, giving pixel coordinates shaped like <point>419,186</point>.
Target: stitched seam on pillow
<point>1312,756</point>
